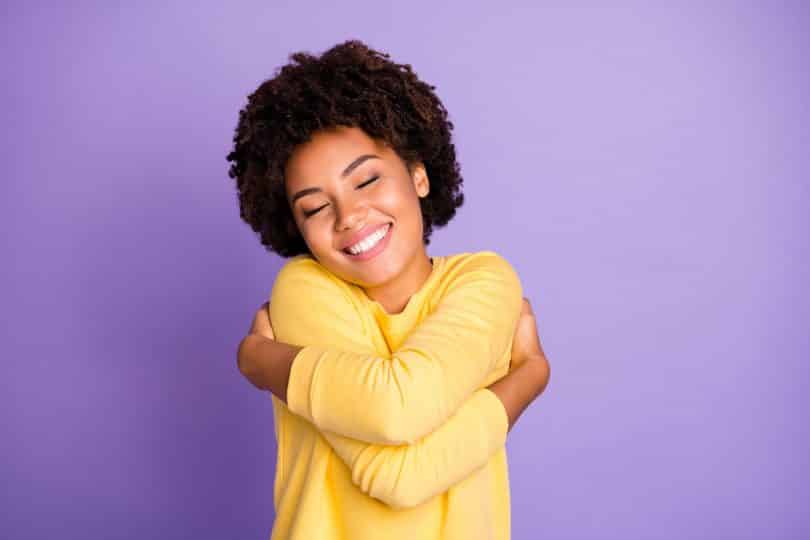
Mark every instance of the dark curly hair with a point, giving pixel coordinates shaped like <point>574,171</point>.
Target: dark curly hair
<point>348,85</point>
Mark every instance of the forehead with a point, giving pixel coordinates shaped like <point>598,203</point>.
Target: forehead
<point>328,153</point>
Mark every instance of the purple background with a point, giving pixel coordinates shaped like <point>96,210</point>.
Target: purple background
<point>644,168</point>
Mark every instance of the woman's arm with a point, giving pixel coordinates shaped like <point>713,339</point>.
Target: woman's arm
<point>514,393</point>
<point>273,360</point>
<point>407,475</point>
<point>359,394</point>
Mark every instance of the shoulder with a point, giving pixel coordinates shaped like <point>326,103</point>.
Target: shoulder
<point>306,268</point>
<point>487,264</point>
<point>301,264</point>
<point>482,278</point>
<point>306,278</point>
<point>311,305</point>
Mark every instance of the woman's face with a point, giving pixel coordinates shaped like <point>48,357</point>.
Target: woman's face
<point>344,187</point>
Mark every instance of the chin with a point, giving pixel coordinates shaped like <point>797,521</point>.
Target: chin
<point>385,267</point>
<point>368,279</point>
<point>371,277</point>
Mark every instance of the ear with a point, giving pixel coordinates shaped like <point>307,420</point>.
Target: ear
<point>421,182</point>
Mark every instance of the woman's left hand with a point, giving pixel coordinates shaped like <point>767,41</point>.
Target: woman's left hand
<point>261,322</point>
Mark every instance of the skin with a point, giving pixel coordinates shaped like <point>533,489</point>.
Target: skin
<point>346,205</point>
<point>338,207</point>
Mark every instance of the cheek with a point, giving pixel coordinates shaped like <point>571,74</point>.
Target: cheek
<point>317,236</point>
<point>412,209</point>
<point>399,203</point>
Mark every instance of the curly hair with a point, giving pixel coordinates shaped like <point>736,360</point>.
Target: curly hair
<point>348,85</point>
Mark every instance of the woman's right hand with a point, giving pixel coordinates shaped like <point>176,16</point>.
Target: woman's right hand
<point>526,342</point>
<point>261,322</point>
<point>528,369</point>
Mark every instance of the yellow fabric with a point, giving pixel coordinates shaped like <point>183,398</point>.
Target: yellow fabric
<point>389,432</point>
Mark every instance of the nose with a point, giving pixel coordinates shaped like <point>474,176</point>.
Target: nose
<point>350,215</point>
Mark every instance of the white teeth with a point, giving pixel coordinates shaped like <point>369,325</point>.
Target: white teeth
<point>369,242</point>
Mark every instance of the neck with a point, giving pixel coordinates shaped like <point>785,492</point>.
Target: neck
<point>394,295</point>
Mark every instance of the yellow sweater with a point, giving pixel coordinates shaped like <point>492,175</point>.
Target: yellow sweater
<point>389,432</point>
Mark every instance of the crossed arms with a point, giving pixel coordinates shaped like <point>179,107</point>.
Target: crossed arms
<point>412,425</point>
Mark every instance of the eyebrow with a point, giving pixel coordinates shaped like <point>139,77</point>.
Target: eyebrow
<point>346,172</point>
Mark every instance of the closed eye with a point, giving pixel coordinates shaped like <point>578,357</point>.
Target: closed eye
<point>312,212</point>
<point>370,180</point>
<point>364,184</point>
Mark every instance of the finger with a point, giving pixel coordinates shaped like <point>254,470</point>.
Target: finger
<point>261,320</point>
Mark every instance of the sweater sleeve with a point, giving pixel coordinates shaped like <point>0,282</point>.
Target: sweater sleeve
<point>400,476</point>
<point>339,383</point>
<point>405,476</point>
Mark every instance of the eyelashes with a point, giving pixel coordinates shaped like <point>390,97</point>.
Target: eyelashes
<point>313,212</point>
<point>370,180</point>
<point>364,184</point>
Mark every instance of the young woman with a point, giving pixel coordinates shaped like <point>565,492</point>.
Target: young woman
<point>395,375</point>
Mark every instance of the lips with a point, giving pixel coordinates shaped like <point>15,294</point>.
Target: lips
<point>362,234</point>
<point>374,251</point>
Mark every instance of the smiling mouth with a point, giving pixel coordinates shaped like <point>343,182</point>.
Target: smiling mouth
<point>388,226</point>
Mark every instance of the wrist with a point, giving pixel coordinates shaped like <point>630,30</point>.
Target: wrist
<point>249,358</point>
<point>265,363</point>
